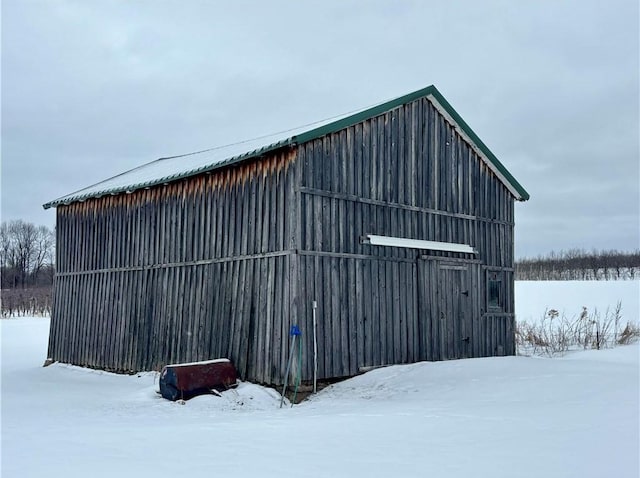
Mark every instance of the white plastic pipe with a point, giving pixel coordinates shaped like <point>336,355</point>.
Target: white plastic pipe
<point>315,349</point>
<point>417,244</point>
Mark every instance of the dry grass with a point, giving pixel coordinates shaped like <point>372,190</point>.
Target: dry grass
<point>555,334</point>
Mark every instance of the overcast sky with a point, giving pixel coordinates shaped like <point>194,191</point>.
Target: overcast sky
<point>90,89</point>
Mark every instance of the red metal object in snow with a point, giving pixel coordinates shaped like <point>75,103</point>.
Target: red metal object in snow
<point>186,380</point>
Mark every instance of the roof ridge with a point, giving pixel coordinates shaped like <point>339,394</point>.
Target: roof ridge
<point>345,120</point>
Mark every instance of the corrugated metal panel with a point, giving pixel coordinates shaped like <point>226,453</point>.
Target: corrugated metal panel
<point>165,170</point>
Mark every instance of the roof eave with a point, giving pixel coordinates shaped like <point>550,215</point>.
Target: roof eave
<point>71,198</point>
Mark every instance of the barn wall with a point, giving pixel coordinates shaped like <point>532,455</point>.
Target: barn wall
<point>405,173</point>
<point>222,264</point>
<point>193,270</point>
<point>366,313</point>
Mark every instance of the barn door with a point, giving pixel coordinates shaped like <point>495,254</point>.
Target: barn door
<point>444,308</point>
<point>453,310</point>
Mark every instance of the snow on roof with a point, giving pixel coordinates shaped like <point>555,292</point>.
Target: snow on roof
<point>172,168</point>
<point>169,169</point>
<point>165,170</point>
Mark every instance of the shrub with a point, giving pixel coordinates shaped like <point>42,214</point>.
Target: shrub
<point>555,334</point>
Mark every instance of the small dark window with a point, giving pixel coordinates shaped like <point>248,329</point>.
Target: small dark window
<point>495,294</point>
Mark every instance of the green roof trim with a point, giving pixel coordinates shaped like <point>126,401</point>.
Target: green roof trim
<point>389,105</point>
<point>363,115</point>
<point>524,195</point>
<point>430,92</point>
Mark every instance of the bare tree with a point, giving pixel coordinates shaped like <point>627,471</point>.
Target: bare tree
<point>26,250</point>
<point>43,252</point>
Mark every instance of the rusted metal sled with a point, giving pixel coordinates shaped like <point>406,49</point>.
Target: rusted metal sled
<point>186,380</point>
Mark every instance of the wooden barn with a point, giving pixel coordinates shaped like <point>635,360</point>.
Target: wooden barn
<point>397,221</point>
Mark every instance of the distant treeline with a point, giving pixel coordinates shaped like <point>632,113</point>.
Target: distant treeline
<point>32,301</point>
<point>579,264</point>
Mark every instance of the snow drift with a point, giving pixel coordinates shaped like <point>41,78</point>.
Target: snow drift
<point>498,417</point>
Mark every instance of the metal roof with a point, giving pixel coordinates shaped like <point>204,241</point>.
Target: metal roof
<point>165,170</point>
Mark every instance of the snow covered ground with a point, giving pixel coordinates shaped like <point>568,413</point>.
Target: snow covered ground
<point>497,417</point>
<point>533,298</point>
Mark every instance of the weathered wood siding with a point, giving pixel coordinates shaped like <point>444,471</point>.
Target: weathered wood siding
<point>406,173</point>
<point>192,270</point>
<point>221,265</point>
